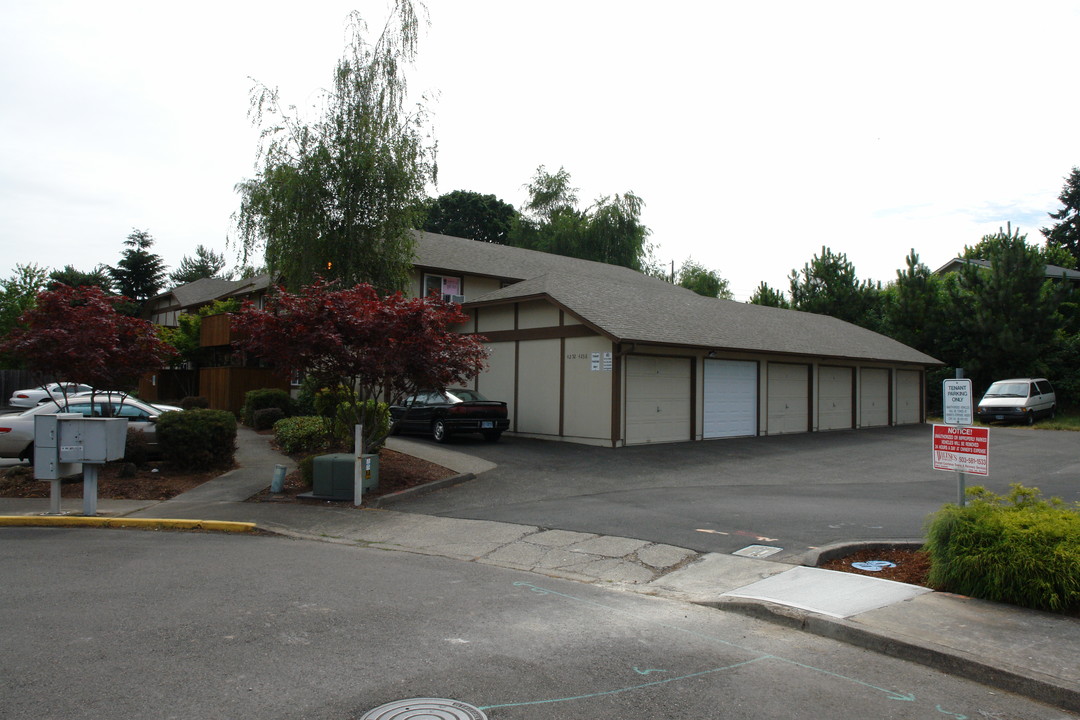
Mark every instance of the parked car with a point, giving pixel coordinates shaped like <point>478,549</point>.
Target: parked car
<point>455,411</point>
<point>34,396</point>
<point>1018,400</point>
<point>17,429</point>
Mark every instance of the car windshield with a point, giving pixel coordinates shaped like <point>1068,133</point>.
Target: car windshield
<point>1008,389</point>
<point>458,395</point>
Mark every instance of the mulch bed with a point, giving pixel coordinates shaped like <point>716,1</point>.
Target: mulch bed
<point>116,481</point>
<point>912,566</point>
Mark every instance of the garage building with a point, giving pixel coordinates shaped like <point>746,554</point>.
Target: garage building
<point>600,354</point>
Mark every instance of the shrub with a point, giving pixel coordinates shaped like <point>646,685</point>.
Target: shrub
<point>1016,549</point>
<point>194,401</point>
<point>303,433</point>
<point>198,439</point>
<point>255,400</point>
<point>264,419</point>
<point>136,447</point>
<point>307,470</point>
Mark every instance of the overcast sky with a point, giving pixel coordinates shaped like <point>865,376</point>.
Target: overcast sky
<point>755,132</point>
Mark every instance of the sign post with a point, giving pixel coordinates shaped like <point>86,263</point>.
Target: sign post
<point>957,446</point>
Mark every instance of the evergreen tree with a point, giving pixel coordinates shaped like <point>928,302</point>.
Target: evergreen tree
<point>139,274</point>
<point>205,264</point>
<point>765,295</point>
<point>827,285</point>
<point>1065,232</point>
<point>73,277</point>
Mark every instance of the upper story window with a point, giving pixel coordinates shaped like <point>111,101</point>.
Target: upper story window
<point>448,287</point>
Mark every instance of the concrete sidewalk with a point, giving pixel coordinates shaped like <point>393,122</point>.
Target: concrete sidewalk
<point>1022,651</point>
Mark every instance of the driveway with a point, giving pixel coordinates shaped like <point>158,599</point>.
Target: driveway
<point>793,492</point>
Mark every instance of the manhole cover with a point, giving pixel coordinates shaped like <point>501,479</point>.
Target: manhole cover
<point>425,709</point>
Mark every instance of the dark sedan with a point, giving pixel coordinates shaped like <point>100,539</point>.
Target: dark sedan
<point>455,411</point>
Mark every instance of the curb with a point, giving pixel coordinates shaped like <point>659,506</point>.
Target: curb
<point>419,490</point>
<point>825,553</point>
<point>141,523</point>
<point>953,662</point>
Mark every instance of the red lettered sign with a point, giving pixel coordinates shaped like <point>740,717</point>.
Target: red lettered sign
<point>962,449</point>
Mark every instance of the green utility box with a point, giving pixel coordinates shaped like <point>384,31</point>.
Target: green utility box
<point>332,475</point>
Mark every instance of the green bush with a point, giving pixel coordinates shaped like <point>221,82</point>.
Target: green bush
<point>300,434</point>
<point>255,400</point>
<point>307,470</point>
<point>264,419</point>
<point>197,439</point>
<point>1016,549</point>
<point>339,405</point>
<point>194,401</point>
<point>136,447</point>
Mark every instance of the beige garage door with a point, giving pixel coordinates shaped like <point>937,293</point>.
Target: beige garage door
<point>874,403</point>
<point>657,399</point>
<point>835,402</point>
<point>789,398</point>
<point>908,407</point>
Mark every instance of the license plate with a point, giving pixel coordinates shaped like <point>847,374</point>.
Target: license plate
<point>486,424</point>
<point>999,417</point>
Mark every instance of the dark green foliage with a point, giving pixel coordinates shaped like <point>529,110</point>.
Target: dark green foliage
<point>197,439</point>
<point>205,264</point>
<point>342,410</point>
<point>471,215</point>
<point>695,276</point>
<point>139,274</point>
<point>827,285</point>
<point>194,401</point>
<point>1065,233</point>
<point>136,448</point>
<point>610,231</point>
<point>301,434</point>
<point>255,400</point>
<point>17,295</point>
<point>1016,549</point>
<point>307,470</point>
<point>264,419</point>
<point>72,277</point>
<point>916,308</point>
<point>1005,318</point>
<point>765,295</point>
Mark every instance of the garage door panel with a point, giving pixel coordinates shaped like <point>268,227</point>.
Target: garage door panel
<point>874,393</point>
<point>658,404</point>
<point>835,401</point>
<point>789,398</point>
<point>730,398</point>
<point>908,407</point>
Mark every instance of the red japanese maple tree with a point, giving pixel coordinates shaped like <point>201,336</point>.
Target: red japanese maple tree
<point>77,334</point>
<point>385,348</point>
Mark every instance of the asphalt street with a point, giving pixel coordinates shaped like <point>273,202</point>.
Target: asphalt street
<point>795,492</point>
<point>104,624</point>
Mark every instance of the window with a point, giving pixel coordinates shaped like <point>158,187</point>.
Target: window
<point>448,287</point>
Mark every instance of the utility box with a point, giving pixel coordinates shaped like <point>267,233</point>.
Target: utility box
<point>333,475</point>
<point>62,442</point>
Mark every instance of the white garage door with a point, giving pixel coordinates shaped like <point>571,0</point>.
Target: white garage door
<point>908,408</point>
<point>789,398</point>
<point>835,406</point>
<point>730,405</point>
<point>657,399</point>
<point>874,405</point>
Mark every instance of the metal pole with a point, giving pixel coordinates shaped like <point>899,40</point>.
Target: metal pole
<point>961,481</point>
<point>89,491</point>
<point>54,497</point>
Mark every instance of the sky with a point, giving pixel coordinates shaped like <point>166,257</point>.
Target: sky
<point>755,132</point>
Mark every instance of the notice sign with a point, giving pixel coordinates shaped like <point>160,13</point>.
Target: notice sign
<point>963,449</point>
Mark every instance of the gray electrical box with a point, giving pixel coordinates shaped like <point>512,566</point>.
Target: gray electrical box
<point>62,442</point>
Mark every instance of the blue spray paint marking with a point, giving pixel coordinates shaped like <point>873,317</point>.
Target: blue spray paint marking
<point>639,671</point>
<point>955,715</point>
<point>890,694</point>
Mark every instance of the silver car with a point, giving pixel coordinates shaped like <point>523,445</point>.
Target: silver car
<point>17,429</point>
<point>51,391</point>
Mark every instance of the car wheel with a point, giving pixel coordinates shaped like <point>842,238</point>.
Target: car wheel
<point>439,432</point>
<point>1030,418</point>
<point>27,453</point>
<point>492,435</point>
<point>1053,412</point>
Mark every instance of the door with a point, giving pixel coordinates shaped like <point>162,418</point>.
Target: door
<point>789,398</point>
<point>908,397</point>
<point>730,398</point>
<point>835,398</point>
<point>874,397</point>
<point>658,405</point>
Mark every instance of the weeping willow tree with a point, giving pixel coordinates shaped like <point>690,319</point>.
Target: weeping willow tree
<point>336,197</point>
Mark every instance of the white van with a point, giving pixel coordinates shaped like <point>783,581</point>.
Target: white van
<point>1018,400</point>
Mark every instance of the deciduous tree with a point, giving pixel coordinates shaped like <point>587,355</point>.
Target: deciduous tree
<point>471,215</point>
<point>17,295</point>
<point>695,276</point>
<point>384,348</point>
<point>338,196</point>
<point>78,334</point>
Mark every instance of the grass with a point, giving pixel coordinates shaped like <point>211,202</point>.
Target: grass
<point>1064,421</point>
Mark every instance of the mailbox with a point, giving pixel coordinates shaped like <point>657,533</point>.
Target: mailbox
<point>63,441</point>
